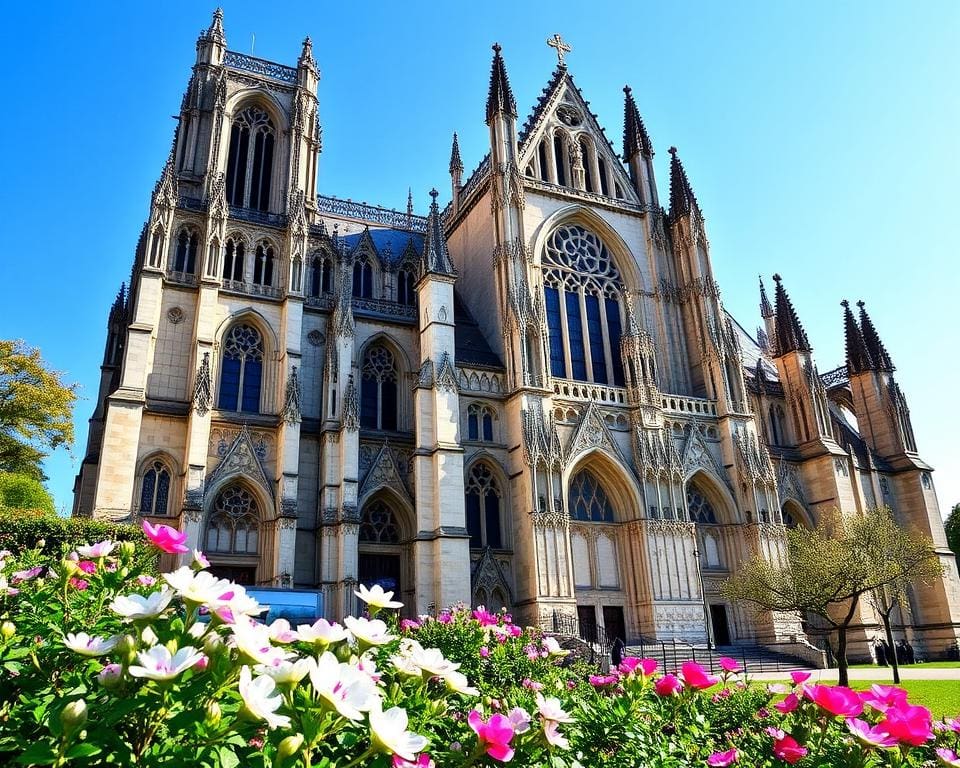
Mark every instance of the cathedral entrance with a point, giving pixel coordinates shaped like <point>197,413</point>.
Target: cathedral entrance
<point>721,628</point>
<point>379,568</point>
<point>382,549</point>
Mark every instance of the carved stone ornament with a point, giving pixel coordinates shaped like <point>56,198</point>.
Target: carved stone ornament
<point>315,338</point>
<point>446,376</point>
<point>351,406</point>
<point>175,315</point>
<point>592,432</point>
<point>384,473</point>
<point>291,400</point>
<point>696,454</point>
<point>550,519</point>
<point>202,391</point>
<point>241,460</point>
<point>488,576</point>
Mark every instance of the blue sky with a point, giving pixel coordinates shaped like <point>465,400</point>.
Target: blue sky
<point>820,139</point>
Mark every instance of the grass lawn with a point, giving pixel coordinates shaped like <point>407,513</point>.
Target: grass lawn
<point>941,697</point>
<point>925,665</point>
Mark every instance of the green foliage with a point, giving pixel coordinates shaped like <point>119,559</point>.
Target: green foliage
<point>23,529</point>
<point>24,492</point>
<point>36,409</point>
<point>952,527</point>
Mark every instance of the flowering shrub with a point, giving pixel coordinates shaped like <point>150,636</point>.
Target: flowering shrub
<point>105,663</point>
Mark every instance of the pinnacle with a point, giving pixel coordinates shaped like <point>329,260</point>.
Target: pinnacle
<point>500,97</point>
<point>682,199</point>
<point>456,164</point>
<point>878,353</point>
<point>789,332</point>
<point>766,310</point>
<point>635,137</point>
<point>858,356</point>
<point>436,258</point>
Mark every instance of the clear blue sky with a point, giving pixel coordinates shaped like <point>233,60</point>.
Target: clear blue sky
<point>820,139</point>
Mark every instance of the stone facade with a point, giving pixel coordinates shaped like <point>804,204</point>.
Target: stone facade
<point>531,399</point>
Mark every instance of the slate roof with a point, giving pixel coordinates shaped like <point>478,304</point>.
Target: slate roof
<point>470,344</point>
<point>396,239</point>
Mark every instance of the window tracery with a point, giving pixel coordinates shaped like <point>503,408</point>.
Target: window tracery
<point>185,258</point>
<point>321,277</point>
<point>587,500</point>
<point>483,507</point>
<point>155,489</point>
<point>263,265</point>
<point>405,293</point>
<point>582,295</point>
<point>480,418</point>
<point>362,279</point>
<point>233,260</point>
<point>700,508</point>
<point>234,524</point>
<point>250,159</point>
<point>242,370</point>
<point>378,389</point>
<point>378,525</point>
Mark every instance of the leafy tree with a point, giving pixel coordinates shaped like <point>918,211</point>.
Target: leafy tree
<point>22,492</point>
<point>831,567</point>
<point>952,526</point>
<point>36,409</point>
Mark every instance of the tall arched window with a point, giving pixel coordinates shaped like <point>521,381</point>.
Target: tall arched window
<point>263,265</point>
<point>156,240</point>
<point>321,277</point>
<point>483,508</point>
<point>250,160</point>
<point>362,279</point>
<point>378,389</point>
<point>560,159</point>
<point>234,524</point>
<point>155,489</point>
<point>405,294</point>
<point>587,158</point>
<point>185,259</point>
<point>242,370</point>
<point>378,525</point>
<point>480,422</point>
<point>233,260</point>
<point>701,510</point>
<point>587,500</point>
<point>582,294</point>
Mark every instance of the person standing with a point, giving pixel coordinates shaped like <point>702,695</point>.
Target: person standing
<point>880,653</point>
<point>616,651</point>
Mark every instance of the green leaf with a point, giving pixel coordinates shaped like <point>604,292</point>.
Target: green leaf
<point>38,753</point>
<point>228,758</point>
<point>84,749</point>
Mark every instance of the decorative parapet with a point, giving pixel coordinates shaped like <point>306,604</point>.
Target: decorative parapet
<point>384,307</point>
<point>584,391</point>
<point>373,214</point>
<point>690,406</point>
<point>260,67</point>
<point>253,290</point>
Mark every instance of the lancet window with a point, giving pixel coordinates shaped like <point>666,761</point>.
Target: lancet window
<point>242,370</point>
<point>480,422</point>
<point>234,525</point>
<point>263,265</point>
<point>155,489</point>
<point>362,279</point>
<point>583,294</point>
<point>483,508</point>
<point>587,500</point>
<point>321,276</point>
<point>185,258</point>
<point>233,260</point>
<point>378,389</point>
<point>405,293</point>
<point>250,159</point>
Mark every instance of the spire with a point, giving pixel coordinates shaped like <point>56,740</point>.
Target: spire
<point>456,164</point>
<point>766,310</point>
<point>306,55</point>
<point>790,334</point>
<point>682,199</point>
<point>119,307</point>
<point>409,202</point>
<point>500,98</point>
<point>858,356</point>
<point>215,31</point>
<point>635,137</point>
<point>436,259</point>
<point>878,353</point>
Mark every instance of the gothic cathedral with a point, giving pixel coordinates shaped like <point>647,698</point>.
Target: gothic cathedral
<point>531,398</point>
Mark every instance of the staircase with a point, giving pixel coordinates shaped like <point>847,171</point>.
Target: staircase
<point>752,658</point>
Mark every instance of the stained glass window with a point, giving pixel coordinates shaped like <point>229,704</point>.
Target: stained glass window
<point>250,160</point>
<point>483,508</point>
<point>701,510</point>
<point>155,489</point>
<point>378,525</point>
<point>242,370</point>
<point>234,524</point>
<point>587,500</point>
<point>378,389</point>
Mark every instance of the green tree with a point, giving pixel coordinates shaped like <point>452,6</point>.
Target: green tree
<point>22,492</point>
<point>952,526</point>
<point>832,567</point>
<point>36,409</point>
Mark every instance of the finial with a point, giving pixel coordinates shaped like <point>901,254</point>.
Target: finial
<point>777,278</point>
<point>845,304</point>
<point>497,48</point>
<point>433,194</point>
<point>562,48</point>
<point>672,151</point>
<point>861,304</point>
<point>409,201</point>
<point>627,90</point>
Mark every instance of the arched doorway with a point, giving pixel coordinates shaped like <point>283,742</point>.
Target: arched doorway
<point>233,536</point>
<point>709,513</point>
<point>383,550</point>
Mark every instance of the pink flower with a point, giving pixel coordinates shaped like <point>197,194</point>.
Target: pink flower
<point>882,697</point>
<point>445,618</point>
<point>485,618</point>
<point>520,720</point>
<point>788,750</point>
<point>835,699</point>
<point>631,664</point>
<point>951,724</point>
<point>696,676</point>
<point>494,735</point>
<point>870,735</point>
<point>600,681</point>
<point>484,652</point>
<point>668,685</point>
<point>408,624</point>
<point>79,584</point>
<point>87,566</point>
<point>514,630</point>
<point>728,665</point>
<point>146,581</point>
<point>532,685</point>
<point>165,538</point>
<point>553,736</point>
<point>787,706</point>
<point>17,576</point>
<point>722,759</point>
<point>908,724</point>
<point>948,757</point>
<point>799,677</point>
<point>423,761</point>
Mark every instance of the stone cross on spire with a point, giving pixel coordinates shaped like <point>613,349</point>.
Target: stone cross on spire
<point>562,48</point>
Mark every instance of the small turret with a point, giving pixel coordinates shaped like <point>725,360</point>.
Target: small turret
<point>766,308</point>
<point>878,353</point>
<point>436,258</point>
<point>307,73</point>
<point>456,172</point>
<point>500,97</point>
<point>682,199</point>
<point>858,356</point>
<point>790,336</point>
<point>637,149</point>
<point>212,44</point>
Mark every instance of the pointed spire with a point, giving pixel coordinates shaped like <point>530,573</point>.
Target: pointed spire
<point>766,309</point>
<point>500,97</point>
<point>215,30</point>
<point>790,334</point>
<point>409,203</point>
<point>682,199</point>
<point>635,137</point>
<point>858,356</point>
<point>436,258</point>
<point>119,307</point>
<point>878,353</point>
<point>306,55</point>
<point>456,164</point>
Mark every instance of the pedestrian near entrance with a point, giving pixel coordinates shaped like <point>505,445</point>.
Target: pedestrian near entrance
<point>616,651</point>
<point>881,654</point>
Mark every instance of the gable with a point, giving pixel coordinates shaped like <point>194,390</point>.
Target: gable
<point>563,133</point>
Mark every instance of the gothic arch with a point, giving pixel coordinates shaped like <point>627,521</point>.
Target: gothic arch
<point>268,373</point>
<point>577,213</point>
<point>384,338</point>
<point>717,493</point>
<point>502,481</point>
<point>794,514</point>
<point>257,566</point>
<point>613,476</point>
<point>257,97</point>
<point>173,497</point>
<point>401,507</point>
<point>255,318</point>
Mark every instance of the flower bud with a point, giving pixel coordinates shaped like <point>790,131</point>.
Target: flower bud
<point>126,644</point>
<point>288,747</point>
<point>41,543</point>
<point>110,676</point>
<point>8,629</point>
<point>149,637</point>
<point>212,714</point>
<point>212,644</point>
<point>70,567</point>
<point>74,715</point>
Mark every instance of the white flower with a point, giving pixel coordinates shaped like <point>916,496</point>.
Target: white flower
<point>200,560</point>
<point>140,607</point>
<point>87,645</point>
<point>377,598</point>
<point>198,630</point>
<point>369,631</point>
<point>458,683</point>
<point>389,733</point>
<point>406,666</point>
<point>253,640</point>
<point>198,586</point>
<point>280,632</point>
<point>158,663</point>
<point>148,636</point>
<point>286,672</point>
<point>321,633</point>
<point>550,709</point>
<point>259,699</point>
<point>551,732</point>
<point>552,647</point>
<point>100,549</point>
<point>236,602</point>
<point>342,686</point>
<point>432,662</point>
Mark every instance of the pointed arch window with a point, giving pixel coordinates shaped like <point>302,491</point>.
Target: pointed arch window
<point>378,525</point>
<point>699,506</point>
<point>560,159</point>
<point>263,265</point>
<point>321,276</point>
<point>233,260</point>
<point>405,280</point>
<point>155,489</point>
<point>378,389</point>
<point>480,420</point>
<point>362,279</point>
<point>234,524</point>
<point>250,159</point>
<point>586,157</point>
<point>483,508</point>
<point>583,291</point>
<point>587,500</point>
<point>157,240</point>
<point>185,259</point>
<point>242,370</point>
